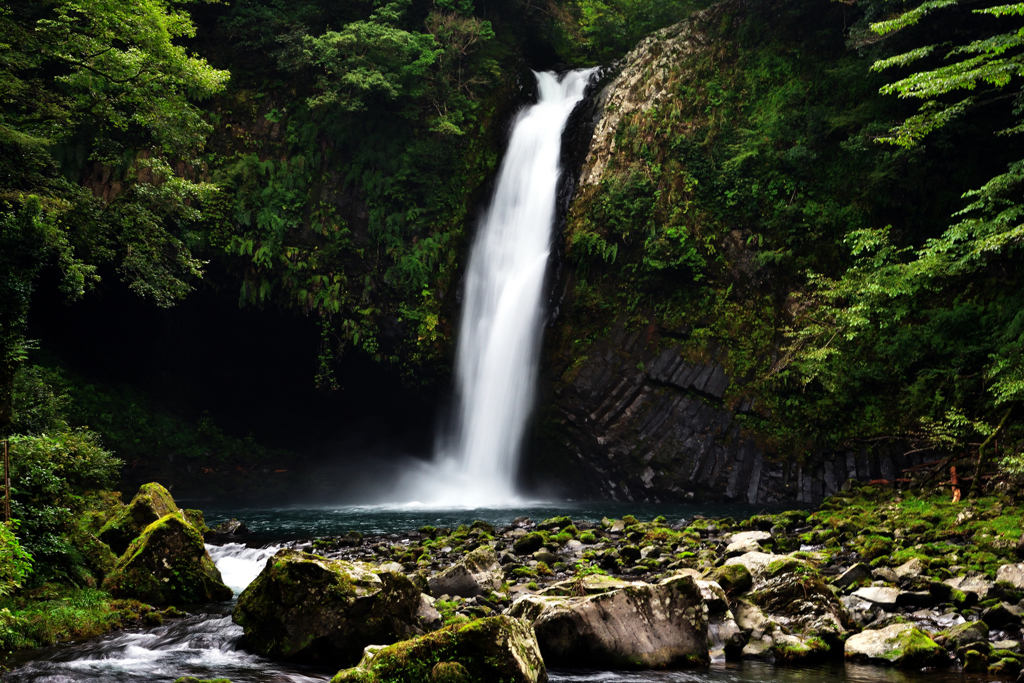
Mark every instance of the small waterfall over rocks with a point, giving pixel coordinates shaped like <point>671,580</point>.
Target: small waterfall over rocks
<point>475,464</point>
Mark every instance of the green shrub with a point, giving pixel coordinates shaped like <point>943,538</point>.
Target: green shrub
<point>15,563</point>
<point>49,475</point>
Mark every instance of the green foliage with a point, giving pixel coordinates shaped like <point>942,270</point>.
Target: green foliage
<point>98,92</point>
<point>49,475</point>
<point>600,31</point>
<point>55,613</point>
<point>932,332</point>
<point>15,563</point>
<point>356,213</point>
<point>988,63</point>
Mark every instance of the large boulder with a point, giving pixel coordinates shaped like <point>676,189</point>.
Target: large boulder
<point>478,573</point>
<point>167,563</point>
<point>304,607</point>
<point>639,627</point>
<point>792,593</point>
<point>901,645</point>
<point>151,503</point>
<point>491,649</point>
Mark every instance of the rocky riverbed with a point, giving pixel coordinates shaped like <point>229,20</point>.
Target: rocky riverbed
<point>873,575</point>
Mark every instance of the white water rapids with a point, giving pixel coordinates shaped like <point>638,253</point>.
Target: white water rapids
<point>502,317</point>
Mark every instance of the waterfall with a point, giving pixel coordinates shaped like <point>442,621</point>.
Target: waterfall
<point>502,317</point>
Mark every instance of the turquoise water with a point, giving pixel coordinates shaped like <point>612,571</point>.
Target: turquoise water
<point>288,523</point>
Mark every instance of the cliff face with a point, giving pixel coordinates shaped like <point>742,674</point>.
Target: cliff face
<point>636,421</point>
<point>655,396</point>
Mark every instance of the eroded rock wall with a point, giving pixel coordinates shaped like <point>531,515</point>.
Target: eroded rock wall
<point>639,422</point>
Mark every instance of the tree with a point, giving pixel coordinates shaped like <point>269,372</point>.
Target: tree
<point>945,319</point>
<point>99,136</point>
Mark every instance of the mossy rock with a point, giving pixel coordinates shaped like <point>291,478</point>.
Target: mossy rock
<point>900,645</point>
<point>195,518</point>
<point>304,607</point>
<point>151,503</point>
<point>788,565</point>
<point>97,557</point>
<point>796,650</point>
<point>810,607</point>
<point>528,544</point>
<point>486,527</point>
<point>450,672</point>
<point>967,633</point>
<point>975,662</point>
<point>193,679</point>
<point>167,563</point>
<point>480,651</point>
<point>733,578</point>
<point>1007,666</point>
<point>554,523</point>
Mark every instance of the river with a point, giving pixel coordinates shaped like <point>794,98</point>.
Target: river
<point>206,644</point>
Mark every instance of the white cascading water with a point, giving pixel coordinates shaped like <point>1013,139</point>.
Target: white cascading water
<point>499,339</point>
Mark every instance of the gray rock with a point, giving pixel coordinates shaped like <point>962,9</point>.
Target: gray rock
<point>746,542</point>
<point>725,639</point>
<point>861,611</point>
<point>714,597</point>
<point>644,626</point>
<point>751,619</point>
<point>911,569</point>
<point>857,572</point>
<point>971,584</point>
<point>650,551</point>
<point>427,616</point>
<point>915,599</point>
<point>477,573</point>
<point>545,556</point>
<point>885,574</point>
<point>761,648</point>
<point>902,645</point>
<point>1012,574</point>
<point>1011,645</point>
<point>879,595</point>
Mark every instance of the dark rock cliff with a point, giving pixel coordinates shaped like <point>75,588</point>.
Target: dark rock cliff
<point>638,422</point>
<point>646,413</point>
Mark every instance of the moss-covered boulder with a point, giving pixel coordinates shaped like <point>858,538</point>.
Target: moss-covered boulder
<point>967,633</point>
<point>478,573</point>
<point>794,595</point>
<point>901,645</point>
<point>554,523</point>
<point>733,578</point>
<point>528,544</point>
<point>303,607</point>
<point>151,503</point>
<point>642,626</point>
<point>481,651</point>
<point>167,563</point>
